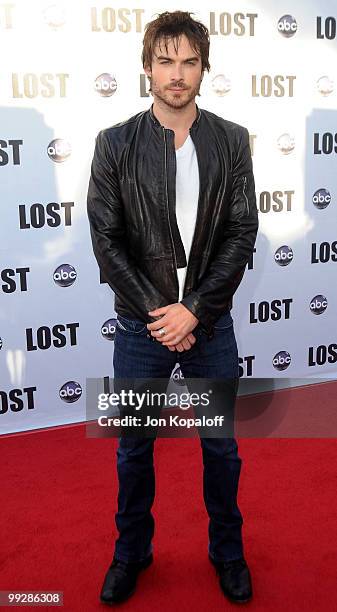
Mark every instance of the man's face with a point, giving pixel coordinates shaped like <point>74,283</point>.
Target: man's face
<point>175,77</point>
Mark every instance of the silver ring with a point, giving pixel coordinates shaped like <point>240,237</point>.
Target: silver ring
<point>162,331</point>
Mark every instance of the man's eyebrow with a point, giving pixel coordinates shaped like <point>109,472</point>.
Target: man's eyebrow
<point>188,59</point>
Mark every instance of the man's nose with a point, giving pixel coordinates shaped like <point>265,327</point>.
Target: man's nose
<point>177,73</point>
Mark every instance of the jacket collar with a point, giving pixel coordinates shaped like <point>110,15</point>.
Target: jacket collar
<point>157,124</point>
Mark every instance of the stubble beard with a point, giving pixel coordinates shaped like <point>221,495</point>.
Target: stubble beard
<point>172,99</point>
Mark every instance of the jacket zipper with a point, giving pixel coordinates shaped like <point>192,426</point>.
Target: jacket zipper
<point>168,214</point>
<point>244,186</point>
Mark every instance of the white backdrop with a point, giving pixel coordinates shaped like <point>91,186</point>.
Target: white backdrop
<point>71,69</point>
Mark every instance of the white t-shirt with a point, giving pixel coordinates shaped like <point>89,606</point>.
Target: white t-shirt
<point>187,196</point>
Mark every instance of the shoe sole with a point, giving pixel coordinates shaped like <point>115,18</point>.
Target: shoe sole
<point>118,600</point>
<point>239,601</point>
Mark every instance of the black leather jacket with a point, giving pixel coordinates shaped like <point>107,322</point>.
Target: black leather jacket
<point>134,231</point>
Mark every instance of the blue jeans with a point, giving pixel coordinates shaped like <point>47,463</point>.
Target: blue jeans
<point>136,355</point>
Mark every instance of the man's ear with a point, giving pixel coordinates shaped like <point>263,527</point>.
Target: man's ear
<point>147,71</point>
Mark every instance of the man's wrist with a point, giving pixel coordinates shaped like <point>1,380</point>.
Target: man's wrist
<point>192,303</point>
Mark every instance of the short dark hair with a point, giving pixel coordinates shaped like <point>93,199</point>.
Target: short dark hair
<point>171,26</point>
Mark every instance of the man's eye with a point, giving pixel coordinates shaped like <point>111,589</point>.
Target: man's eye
<point>192,62</point>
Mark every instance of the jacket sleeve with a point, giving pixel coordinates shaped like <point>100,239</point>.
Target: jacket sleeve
<point>209,299</point>
<point>108,235</point>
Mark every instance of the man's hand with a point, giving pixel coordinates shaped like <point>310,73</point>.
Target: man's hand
<point>178,322</point>
<point>184,345</point>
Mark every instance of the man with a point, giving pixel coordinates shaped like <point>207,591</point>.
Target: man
<point>173,220</point>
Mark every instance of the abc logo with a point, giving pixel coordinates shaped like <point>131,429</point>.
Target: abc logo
<point>221,85</point>
<point>281,361</point>
<point>70,392</point>
<point>286,143</point>
<point>321,198</point>
<point>287,26</point>
<point>65,275</point>
<point>318,304</point>
<point>325,85</point>
<point>54,16</point>
<point>177,376</point>
<point>105,84</point>
<point>108,329</point>
<point>284,255</point>
<point>59,150</point>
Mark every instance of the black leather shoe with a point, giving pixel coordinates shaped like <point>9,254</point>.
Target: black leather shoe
<point>235,579</point>
<point>121,579</point>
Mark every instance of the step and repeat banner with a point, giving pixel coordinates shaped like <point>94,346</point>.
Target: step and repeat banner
<point>70,69</point>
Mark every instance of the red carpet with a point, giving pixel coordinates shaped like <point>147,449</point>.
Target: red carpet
<point>58,498</point>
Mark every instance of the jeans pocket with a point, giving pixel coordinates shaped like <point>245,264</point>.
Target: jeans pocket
<point>130,326</point>
<point>224,322</point>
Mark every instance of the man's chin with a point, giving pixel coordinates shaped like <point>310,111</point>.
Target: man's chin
<point>176,101</point>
